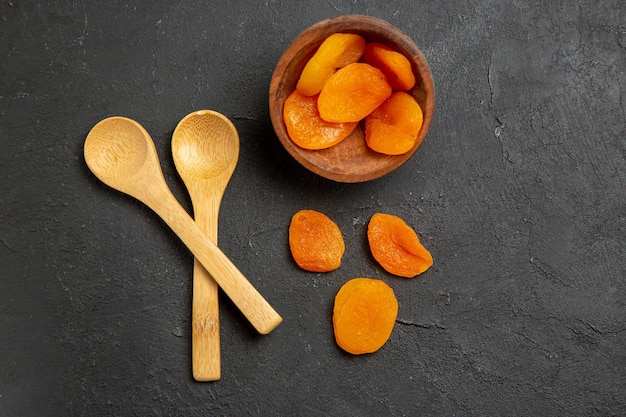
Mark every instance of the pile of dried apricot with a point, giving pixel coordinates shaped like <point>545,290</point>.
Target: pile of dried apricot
<point>349,80</point>
<point>365,309</point>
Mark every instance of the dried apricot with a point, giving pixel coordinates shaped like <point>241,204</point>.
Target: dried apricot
<point>394,126</point>
<point>306,128</point>
<point>364,315</point>
<point>315,241</point>
<point>396,247</point>
<point>352,93</point>
<point>336,51</point>
<point>345,292</point>
<point>395,66</point>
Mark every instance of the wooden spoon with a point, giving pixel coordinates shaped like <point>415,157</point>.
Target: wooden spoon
<point>121,154</point>
<point>205,147</point>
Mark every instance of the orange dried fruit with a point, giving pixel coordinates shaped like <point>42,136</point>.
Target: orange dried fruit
<point>396,247</point>
<point>352,93</point>
<point>336,51</point>
<point>346,290</point>
<point>364,315</point>
<point>395,66</point>
<point>315,241</point>
<point>394,126</point>
<point>306,128</point>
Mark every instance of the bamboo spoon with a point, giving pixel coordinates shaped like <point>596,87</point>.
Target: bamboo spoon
<point>121,154</point>
<point>205,147</point>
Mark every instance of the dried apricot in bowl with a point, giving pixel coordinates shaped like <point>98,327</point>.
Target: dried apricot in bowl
<point>395,66</point>
<point>364,315</point>
<point>394,126</point>
<point>305,126</point>
<point>396,247</point>
<point>352,93</point>
<point>338,50</point>
<point>315,241</point>
<point>351,160</point>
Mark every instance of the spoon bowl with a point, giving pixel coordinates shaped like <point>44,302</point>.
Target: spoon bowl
<point>121,154</point>
<point>115,150</point>
<point>205,145</point>
<point>205,148</point>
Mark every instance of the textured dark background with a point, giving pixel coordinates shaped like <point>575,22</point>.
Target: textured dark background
<point>518,191</point>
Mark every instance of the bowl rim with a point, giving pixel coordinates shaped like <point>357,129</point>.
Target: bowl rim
<point>306,43</point>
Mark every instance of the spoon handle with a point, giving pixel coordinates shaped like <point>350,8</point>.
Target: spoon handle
<point>205,317</point>
<point>236,286</point>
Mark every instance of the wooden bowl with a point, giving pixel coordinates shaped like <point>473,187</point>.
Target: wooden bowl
<point>350,160</point>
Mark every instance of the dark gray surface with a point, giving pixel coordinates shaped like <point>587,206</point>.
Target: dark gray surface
<point>518,192</point>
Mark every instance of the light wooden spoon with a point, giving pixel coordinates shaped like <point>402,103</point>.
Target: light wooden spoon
<point>121,154</point>
<point>205,147</point>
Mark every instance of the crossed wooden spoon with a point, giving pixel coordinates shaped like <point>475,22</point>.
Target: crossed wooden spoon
<point>121,153</point>
<point>205,148</point>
